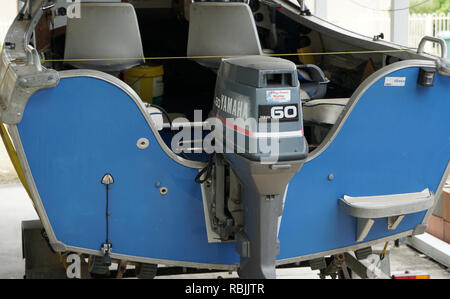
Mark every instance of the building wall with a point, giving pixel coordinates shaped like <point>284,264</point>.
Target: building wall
<point>359,19</point>
<point>367,17</point>
<point>8,11</point>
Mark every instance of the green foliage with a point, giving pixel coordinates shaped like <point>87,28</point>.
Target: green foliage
<point>432,6</point>
<point>445,6</point>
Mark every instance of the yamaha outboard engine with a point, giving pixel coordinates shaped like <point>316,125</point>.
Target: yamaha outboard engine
<point>259,127</point>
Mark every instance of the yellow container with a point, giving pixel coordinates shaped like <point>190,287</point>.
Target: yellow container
<point>306,59</point>
<point>147,81</point>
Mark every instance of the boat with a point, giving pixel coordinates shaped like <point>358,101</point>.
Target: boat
<point>338,141</point>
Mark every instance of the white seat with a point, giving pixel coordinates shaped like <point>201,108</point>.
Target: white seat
<point>324,111</point>
<point>104,31</point>
<point>221,29</point>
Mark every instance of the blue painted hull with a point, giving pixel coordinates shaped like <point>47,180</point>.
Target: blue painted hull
<point>396,140</point>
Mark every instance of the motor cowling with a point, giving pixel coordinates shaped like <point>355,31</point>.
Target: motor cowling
<point>257,100</point>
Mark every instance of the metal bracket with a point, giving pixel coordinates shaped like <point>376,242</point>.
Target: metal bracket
<point>48,4</point>
<point>394,221</point>
<point>21,72</point>
<point>106,250</point>
<point>304,11</point>
<point>363,227</point>
<point>365,268</point>
<point>419,229</point>
<point>107,179</point>
<point>242,245</point>
<point>443,67</point>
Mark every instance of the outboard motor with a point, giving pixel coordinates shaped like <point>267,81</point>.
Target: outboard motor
<point>259,124</point>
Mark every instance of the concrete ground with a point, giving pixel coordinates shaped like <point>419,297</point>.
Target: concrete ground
<point>15,206</point>
<point>405,259</point>
<point>7,172</point>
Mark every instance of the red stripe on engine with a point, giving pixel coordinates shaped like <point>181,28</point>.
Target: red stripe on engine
<point>235,127</point>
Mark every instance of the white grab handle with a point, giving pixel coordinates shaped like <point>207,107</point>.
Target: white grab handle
<point>433,40</point>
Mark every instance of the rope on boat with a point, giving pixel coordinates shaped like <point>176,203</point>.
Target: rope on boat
<point>383,253</point>
<point>229,56</point>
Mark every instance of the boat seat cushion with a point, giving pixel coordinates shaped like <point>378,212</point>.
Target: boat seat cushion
<point>105,31</point>
<point>324,111</point>
<point>221,29</point>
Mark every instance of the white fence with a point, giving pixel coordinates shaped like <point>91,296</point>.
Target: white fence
<point>427,24</point>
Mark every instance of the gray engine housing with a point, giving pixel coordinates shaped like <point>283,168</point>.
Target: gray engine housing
<point>258,98</point>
